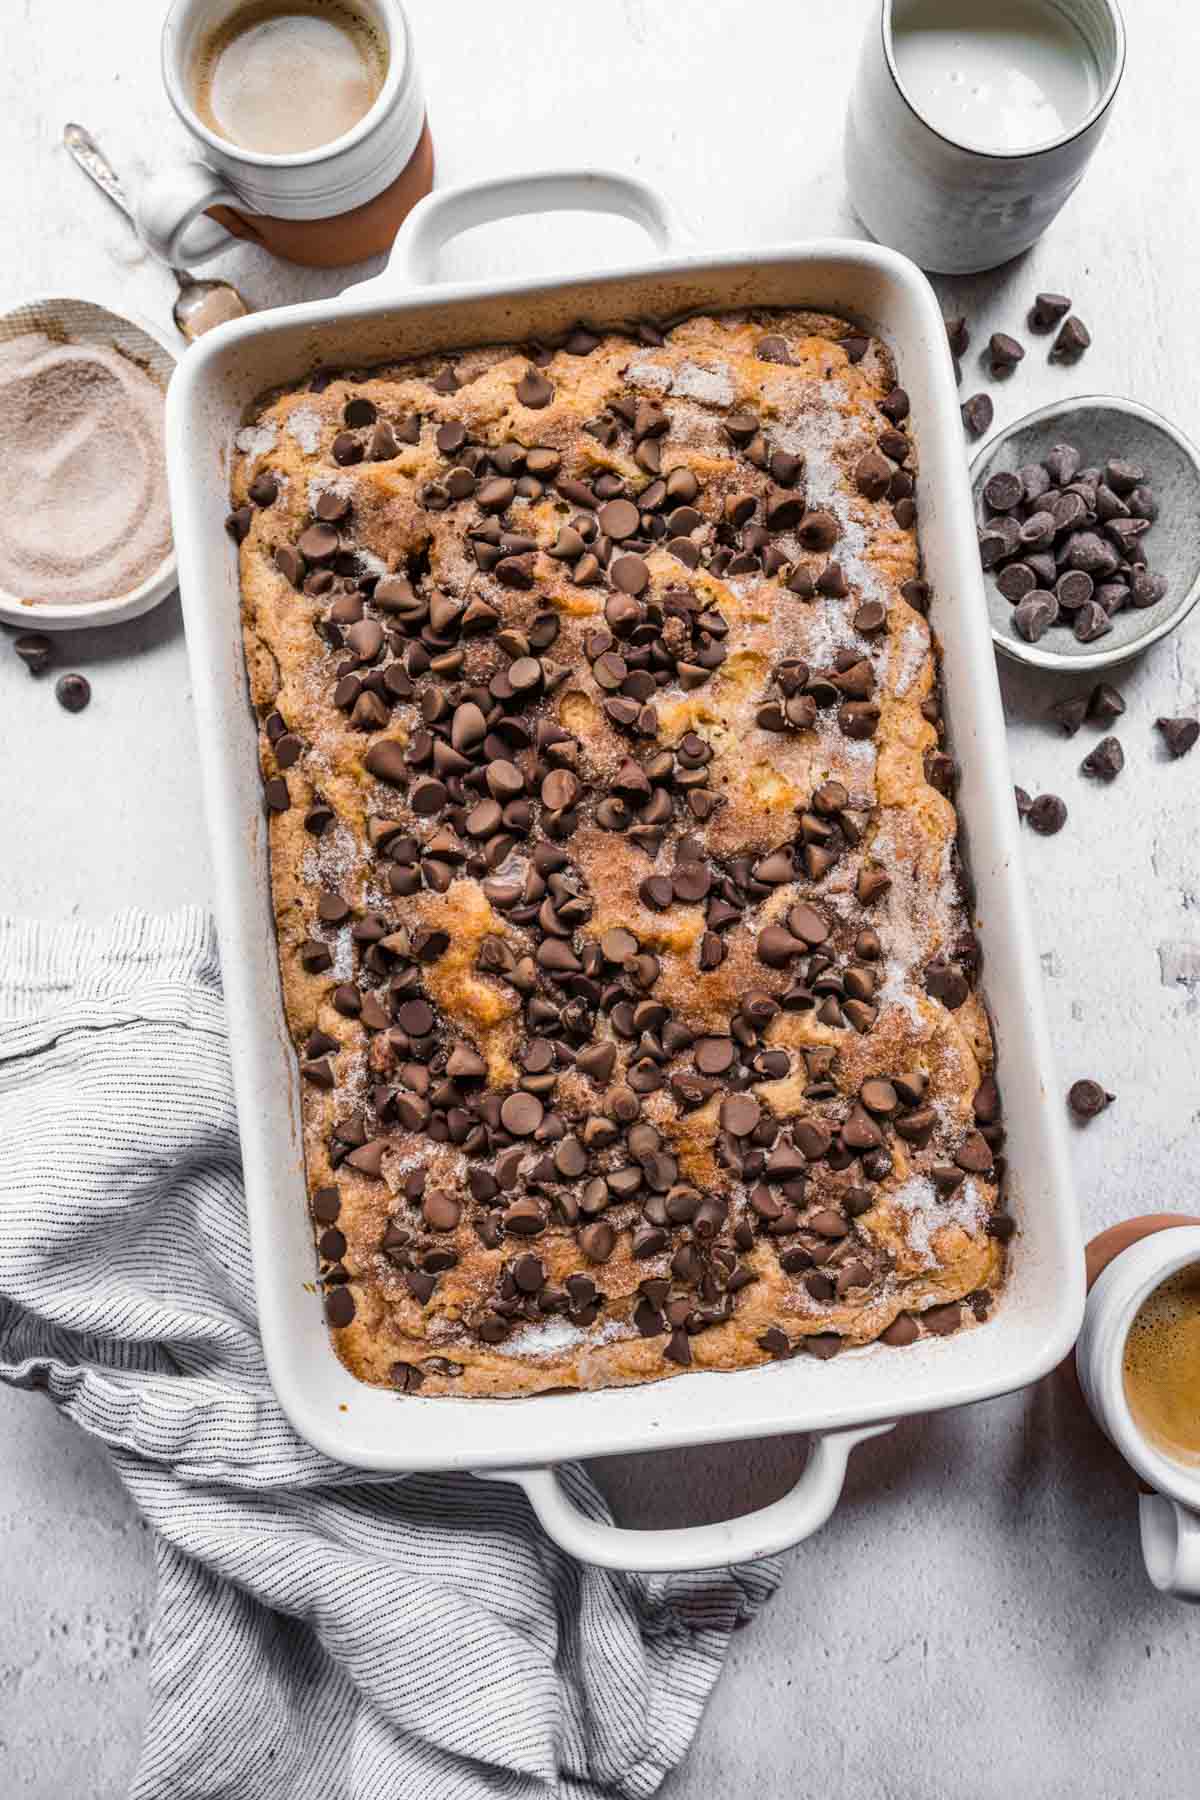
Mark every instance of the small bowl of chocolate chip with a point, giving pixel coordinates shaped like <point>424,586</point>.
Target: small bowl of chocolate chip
<point>1088,514</point>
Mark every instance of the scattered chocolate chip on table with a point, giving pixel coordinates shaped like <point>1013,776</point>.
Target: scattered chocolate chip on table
<point>1073,339</point>
<point>1005,353</point>
<point>1047,310</point>
<point>1087,1099</point>
<point>1047,814</point>
<point>957,335</point>
<point>1178,734</point>
<point>977,414</point>
<point>1105,762</point>
<point>1104,704</point>
<point>73,692</point>
<point>1070,713</point>
<point>34,649</point>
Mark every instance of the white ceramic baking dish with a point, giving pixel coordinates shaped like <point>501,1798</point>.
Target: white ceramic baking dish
<point>860,1392</point>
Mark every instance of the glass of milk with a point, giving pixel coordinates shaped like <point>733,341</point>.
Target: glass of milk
<point>971,121</point>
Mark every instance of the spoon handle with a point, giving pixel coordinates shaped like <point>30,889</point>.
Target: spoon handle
<point>92,160</point>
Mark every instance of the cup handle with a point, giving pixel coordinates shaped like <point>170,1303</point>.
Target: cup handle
<point>1170,1545</point>
<point>170,206</point>
<point>442,214</point>
<point>800,1512</point>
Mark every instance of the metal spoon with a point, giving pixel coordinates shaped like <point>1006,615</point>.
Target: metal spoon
<point>201,304</point>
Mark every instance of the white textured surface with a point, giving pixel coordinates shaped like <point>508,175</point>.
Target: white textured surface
<point>974,1620</point>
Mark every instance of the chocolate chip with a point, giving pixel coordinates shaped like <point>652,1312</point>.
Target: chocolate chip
<point>1073,339</point>
<point>1070,713</point>
<point>942,1320</point>
<point>773,349</point>
<point>619,519</point>
<point>339,1306</point>
<point>495,494</point>
<point>818,530</point>
<point>385,760</point>
<point>1016,580</point>
<point>902,1331</point>
<point>1047,310</point>
<point>440,1211</point>
<point>977,414</point>
<point>598,1241</point>
<point>317,543</point>
<point>534,390</point>
<point>264,489</point>
<point>740,1113</point>
<point>1105,704</point>
<point>1034,615</point>
<point>1087,1098</point>
<point>895,406</point>
<point>630,575</point>
<point>1047,815</point>
<point>1003,491</point>
<point>346,449</point>
<point>1037,532</point>
<point>72,692</point>
<point>957,335</point>
<point>1106,761</point>
<point>416,1018</point>
<point>946,982</point>
<point>521,1114</point>
<point>1178,734</point>
<point>872,474</point>
<point>1073,590</point>
<point>1005,352</point>
<point>1147,588</point>
<point>34,649</point>
<point>1091,622</point>
<point>879,1096</point>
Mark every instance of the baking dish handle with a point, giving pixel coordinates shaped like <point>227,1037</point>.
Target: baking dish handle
<point>442,214</point>
<point>776,1527</point>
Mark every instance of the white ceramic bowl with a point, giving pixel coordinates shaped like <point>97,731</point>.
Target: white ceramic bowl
<point>520,1440</point>
<point>69,319</point>
<point>1104,425</point>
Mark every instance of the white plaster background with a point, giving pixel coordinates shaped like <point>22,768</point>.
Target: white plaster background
<point>974,1620</point>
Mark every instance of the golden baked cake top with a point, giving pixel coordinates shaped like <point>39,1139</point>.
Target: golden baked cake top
<point>614,858</point>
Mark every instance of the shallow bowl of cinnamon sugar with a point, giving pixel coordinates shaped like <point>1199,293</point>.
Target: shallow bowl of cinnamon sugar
<point>131,576</point>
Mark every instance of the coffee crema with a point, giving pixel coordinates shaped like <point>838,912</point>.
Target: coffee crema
<point>1162,1367</point>
<point>282,76</point>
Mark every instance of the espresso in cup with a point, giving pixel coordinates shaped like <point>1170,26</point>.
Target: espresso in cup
<point>282,76</point>
<point>1162,1367</point>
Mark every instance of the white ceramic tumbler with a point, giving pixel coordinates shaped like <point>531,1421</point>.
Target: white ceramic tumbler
<point>954,206</point>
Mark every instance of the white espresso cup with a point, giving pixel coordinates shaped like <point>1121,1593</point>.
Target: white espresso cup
<point>1170,1515</point>
<point>327,206</point>
<point>972,121</point>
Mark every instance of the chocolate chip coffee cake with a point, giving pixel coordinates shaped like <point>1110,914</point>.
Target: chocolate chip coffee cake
<point>613,854</point>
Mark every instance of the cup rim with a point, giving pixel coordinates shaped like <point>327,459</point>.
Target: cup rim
<point>395,21</point>
<point>1097,111</point>
<point>1177,1480</point>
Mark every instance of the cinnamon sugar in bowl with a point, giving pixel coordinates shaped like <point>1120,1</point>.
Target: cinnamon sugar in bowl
<point>87,536</point>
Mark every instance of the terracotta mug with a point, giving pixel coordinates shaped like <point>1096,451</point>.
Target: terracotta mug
<point>325,207</point>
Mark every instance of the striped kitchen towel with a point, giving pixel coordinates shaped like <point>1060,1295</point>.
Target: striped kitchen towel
<point>320,1633</point>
